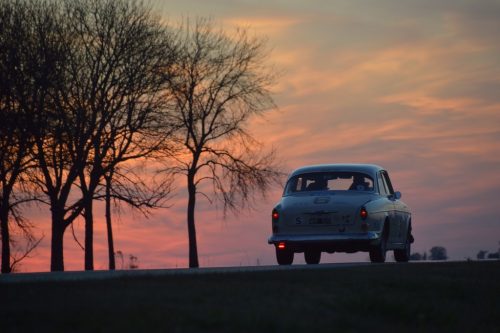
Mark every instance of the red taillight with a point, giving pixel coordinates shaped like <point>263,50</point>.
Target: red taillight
<point>363,213</point>
<point>281,246</point>
<point>275,215</point>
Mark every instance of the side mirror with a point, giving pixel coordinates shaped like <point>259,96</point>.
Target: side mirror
<point>397,195</point>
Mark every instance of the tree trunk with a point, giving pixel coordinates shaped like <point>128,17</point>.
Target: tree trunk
<point>56,256</point>
<point>193,249</point>
<point>4,227</point>
<point>89,235</point>
<point>111,249</point>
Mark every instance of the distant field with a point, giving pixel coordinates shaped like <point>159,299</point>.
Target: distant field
<point>427,297</point>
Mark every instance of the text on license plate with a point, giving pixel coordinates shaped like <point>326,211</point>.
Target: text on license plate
<point>320,220</point>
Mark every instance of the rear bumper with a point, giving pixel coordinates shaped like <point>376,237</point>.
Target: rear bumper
<point>347,242</point>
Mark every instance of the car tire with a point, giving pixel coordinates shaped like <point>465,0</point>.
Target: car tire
<point>378,253</point>
<point>284,257</point>
<point>403,255</point>
<point>312,257</point>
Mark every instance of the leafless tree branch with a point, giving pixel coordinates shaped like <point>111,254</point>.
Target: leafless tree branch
<point>220,81</point>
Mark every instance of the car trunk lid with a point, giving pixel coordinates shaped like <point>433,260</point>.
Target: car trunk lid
<point>322,212</point>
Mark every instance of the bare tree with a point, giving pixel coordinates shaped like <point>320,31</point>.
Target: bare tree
<point>481,254</point>
<point>13,140</point>
<point>221,81</point>
<point>125,186</point>
<point>24,247</point>
<point>118,72</point>
<point>61,134</point>
<point>22,72</point>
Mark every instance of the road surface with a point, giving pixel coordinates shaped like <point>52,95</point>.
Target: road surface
<point>106,275</point>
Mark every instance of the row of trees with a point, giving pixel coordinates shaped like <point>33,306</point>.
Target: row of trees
<point>439,253</point>
<point>435,253</point>
<point>483,254</point>
<point>92,89</point>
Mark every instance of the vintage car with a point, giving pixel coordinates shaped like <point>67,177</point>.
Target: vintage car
<point>340,208</point>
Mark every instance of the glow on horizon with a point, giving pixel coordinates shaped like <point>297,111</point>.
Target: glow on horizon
<point>411,87</point>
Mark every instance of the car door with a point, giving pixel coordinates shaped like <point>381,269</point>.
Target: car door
<point>403,215</point>
<point>394,218</point>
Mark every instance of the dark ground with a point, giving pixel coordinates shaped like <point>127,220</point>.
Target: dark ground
<point>423,297</point>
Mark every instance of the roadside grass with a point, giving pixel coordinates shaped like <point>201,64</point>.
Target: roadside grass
<point>424,297</point>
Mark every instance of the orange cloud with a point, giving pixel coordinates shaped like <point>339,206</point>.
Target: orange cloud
<point>272,27</point>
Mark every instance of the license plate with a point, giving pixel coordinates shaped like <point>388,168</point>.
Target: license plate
<point>320,220</point>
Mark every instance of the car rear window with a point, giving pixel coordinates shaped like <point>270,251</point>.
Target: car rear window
<point>329,181</point>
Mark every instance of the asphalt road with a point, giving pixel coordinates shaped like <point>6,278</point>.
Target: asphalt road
<point>106,275</point>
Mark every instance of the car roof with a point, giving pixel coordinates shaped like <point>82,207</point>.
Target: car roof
<point>369,169</point>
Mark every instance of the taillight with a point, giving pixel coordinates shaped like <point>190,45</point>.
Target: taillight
<point>363,213</point>
<point>281,245</point>
<point>275,215</point>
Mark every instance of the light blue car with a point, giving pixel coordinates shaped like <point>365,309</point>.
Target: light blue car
<point>340,208</point>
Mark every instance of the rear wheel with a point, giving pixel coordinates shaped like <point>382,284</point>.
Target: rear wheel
<point>284,257</point>
<point>312,257</point>
<point>403,255</point>
<point>378,253</point>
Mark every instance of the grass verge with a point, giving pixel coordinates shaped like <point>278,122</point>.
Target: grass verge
<point>427,297</point>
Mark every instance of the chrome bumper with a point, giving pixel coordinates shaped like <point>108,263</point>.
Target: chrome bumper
<point>368,237</point>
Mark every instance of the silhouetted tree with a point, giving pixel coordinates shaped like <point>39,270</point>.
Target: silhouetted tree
<point>25,65</point>
<point>481,254</point>
<point>126,187</point>
<point>494,255</point>
<point>13,140</point>
<point>23,248</point>
<point>220,82</point>
<point>62,130</point>
<point>416,256</point>
<point>438,253</point>
<point>118,67</point>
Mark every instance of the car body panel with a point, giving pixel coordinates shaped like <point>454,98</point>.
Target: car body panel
<point>330,219</point>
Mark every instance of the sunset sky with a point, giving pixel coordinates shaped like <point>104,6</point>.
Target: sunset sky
<point>413,86</point>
